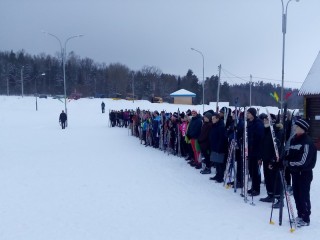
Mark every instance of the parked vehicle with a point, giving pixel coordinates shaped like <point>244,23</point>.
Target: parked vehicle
<point>42,96</point>
<point>157,100</point>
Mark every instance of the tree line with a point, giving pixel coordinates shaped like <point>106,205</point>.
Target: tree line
<point>92,79</point>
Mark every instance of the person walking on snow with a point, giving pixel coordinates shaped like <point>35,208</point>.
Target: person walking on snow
<point>103,105</point>
<point>63,119</point>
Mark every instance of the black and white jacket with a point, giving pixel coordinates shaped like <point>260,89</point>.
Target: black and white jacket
<point>302,154</point>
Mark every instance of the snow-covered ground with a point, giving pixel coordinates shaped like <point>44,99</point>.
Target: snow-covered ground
<point>92,182</point>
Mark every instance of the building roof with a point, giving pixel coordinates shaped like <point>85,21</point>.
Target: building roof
<point>311,85</point>
<point>182,93</point>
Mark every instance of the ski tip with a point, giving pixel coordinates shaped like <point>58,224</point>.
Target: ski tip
<point>292,230</point>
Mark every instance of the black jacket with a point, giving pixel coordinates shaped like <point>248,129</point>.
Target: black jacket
<point>302,154</point>
<point>63,117</point>
<point>194,128</point>
<point>255,136</point>
<point>218,137</point>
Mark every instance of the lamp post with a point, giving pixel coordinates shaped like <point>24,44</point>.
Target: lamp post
<point>63,55</point>
<point>36,89</point>
<point>202,77</point>
<point>284,30</point>
<point>21,75</point>
<point>133,87</point>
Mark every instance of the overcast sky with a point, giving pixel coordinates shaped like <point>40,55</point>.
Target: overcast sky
<point>244,36</point>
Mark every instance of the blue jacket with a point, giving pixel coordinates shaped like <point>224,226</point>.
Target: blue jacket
<point>155,125</point>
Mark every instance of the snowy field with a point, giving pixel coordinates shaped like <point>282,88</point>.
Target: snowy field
<point>92,182</point>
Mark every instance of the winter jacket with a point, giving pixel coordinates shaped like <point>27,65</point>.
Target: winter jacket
<point>194,128</point>
<point>63,117</point>
<point>218,137</point>
<point>145,125</point>
<point>155,125</point>
<point>183,128</point>
<point>203,139</point>
<point>255,136</point>
<point>302,154</point>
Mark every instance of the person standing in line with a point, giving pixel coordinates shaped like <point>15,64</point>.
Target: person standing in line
<point>103,105</point>
<point>183,128</point>
<point>156,122</point>
<point>189,152</point>
<point>268,159</point>
<point>255,130</point>
<point>63,119</point>
<point>218,141</point>
<point>301,159</point>
<point>193,132</point>
<point>205,143</point>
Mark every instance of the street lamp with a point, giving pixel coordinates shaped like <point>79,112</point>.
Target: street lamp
<point>21,76</point>
<point>36,89</point>
<point>284,30</point>
<point>133,87</point>
<point>63,55</point>
<point>202,77</point>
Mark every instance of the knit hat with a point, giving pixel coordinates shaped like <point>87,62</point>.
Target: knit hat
<point>253,111</point>
<point>208,115</point>
<point>188,112</point>
<point>302,124</point>
<point>182,115</point>
<point>263,116</point>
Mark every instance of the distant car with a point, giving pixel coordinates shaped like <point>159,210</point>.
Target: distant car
<point>157,100</point>
<point>43,96</point>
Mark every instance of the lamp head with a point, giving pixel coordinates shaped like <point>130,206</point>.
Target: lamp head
<point>43,74</point>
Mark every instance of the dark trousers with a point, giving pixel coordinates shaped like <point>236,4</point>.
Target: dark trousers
<point>63,124</point>
<point>184,146</point>
<point>301,182</point>
<point>239,168</point>
<point>205,153</point>
<point>219,171</point>
<point>254,171</point>
<point>272,180</point>
<point>190,150</point>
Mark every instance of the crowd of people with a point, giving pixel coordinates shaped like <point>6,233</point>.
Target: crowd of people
<point>236,146</point>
